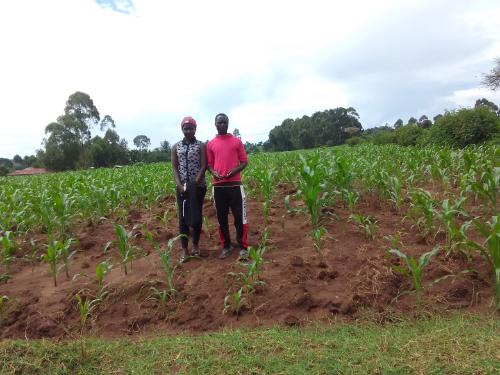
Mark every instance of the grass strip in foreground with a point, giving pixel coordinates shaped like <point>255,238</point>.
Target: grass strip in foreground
<point>462,344</point>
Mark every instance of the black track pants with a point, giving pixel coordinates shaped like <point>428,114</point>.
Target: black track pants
<point>183,226</point>
<point>231,197</point>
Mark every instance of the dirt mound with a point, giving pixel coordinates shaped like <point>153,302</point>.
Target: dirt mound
<point>350,276</point>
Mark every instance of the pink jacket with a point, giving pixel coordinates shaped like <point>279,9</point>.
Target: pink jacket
<point>224,153</point>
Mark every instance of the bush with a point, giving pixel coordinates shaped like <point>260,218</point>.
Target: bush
<point>465,127</point>
<point>353,141</point>
<point>384,137</point>
<point>408,135</point>
<point>4,170</point>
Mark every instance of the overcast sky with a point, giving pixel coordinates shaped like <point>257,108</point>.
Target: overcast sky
<point>149,63</point>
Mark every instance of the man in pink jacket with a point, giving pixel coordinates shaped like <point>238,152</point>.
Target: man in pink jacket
<point>226,158</point>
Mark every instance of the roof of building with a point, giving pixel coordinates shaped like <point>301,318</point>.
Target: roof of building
<point>28,172</point>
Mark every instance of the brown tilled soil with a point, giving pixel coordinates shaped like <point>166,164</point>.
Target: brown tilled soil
<point>350,278</point>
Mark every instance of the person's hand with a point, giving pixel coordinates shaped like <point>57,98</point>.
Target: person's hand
<point>230,174</point>
<point>180,188</point>
<point>216,175</point>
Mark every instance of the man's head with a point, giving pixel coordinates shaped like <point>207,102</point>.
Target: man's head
<point>188,126</point>
<point>221,123</point>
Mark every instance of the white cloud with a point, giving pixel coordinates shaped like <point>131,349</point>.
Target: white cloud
<point>258,61</point>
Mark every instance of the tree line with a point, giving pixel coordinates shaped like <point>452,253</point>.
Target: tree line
<point>69,142</point>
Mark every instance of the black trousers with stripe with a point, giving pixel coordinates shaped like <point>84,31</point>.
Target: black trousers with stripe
<point>231,197</point>
<point>183,226</point>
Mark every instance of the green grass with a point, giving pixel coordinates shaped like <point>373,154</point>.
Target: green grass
<point>462,344</point>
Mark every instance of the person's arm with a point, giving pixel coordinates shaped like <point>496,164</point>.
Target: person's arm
<point>210,163</point>
<point>236,170</point>
<point>203,162</point>
<point>175,167</point>
<point>242,157</point>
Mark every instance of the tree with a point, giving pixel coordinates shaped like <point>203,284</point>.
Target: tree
<point>7,163</point>
<point>464,127</point>
<point>492,79</point>
<point>236,133</point>
<point>327,128</point>
<point>165,146</point>
<point>437,117</point>
<point>490,105</point>
<point>424,122</point>
<point>107,122</point>
<point>80,115</point>
<point>142,142</point>
<point>29,160</point>
<point>68,143</point>
<point>17,160</point>
<point>408,135</point>
<point>412,121</point>
<point>398,123</point>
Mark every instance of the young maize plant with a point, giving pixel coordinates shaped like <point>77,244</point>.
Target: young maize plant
<point>162,296</point>
<point>125,248</point>
<point>63,247</point>
<point>414,269</point>
<point>32,257</point>
<point>488,185</point>
<point>86,307</point>
<point>250,279</point>
<point>310,186</point>
<point>351,197</point>
<point>266,180</point>
<point>8,249</point>
<point>168,271</point>
<point>164,218</point>
<point>423,211</point>
<point>165,258</point>
<point>51,257</point>
<point>490,249</point>
<point>340,172</point>
<point>63,211</point>
<point>101,270</point>
<point>455,234</point>
<point>368,223</point>
<point>394,190</point>
<point>234,301</point>
<point>318,238</point>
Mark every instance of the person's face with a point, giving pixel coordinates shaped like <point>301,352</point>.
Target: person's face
<point>221,123</point>
<point>189,131</point>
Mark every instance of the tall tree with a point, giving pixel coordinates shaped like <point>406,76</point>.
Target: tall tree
<point>398,123</point>
<point>165,146</point>
<point>142,142</point>
<point>490,105</point>
<point>330,127</point>
<point>412,121</point>
<point>424,122</point>
<point>492,79</point>
<point>67,143</point>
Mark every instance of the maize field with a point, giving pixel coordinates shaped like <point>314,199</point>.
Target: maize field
<point>335,233</point>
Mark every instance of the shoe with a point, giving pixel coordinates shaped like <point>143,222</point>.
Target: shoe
<point>196,252</point>
<point>225,253</point>
<point>243,255</point>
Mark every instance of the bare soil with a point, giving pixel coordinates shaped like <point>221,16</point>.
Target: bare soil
<point>350,278</point>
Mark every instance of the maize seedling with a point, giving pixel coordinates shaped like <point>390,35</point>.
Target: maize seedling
<point>414,269</point>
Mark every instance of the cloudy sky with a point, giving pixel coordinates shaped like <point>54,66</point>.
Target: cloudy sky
<point>148,63</point>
